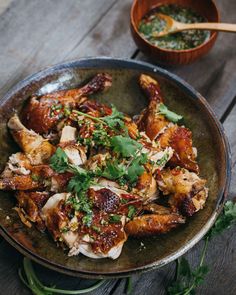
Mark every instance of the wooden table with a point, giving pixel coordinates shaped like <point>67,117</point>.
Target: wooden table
<point>36,33</point>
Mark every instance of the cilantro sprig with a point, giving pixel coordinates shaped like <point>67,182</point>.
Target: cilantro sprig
<point>114,121</point>
<point>125,146</point>
<point>171,116</point>
<point>30,280</point>
<point>78,184</point>
<point>187,280</point>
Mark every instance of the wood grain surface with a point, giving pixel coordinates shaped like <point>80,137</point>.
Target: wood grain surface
<point>35,34</point>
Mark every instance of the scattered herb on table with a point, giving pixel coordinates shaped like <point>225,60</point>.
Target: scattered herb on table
<point>29,278</point>
<point>187,280</point>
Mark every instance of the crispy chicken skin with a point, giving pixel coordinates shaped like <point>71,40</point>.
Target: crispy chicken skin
<point>156,220</point>
<point>180,139</point>
<point>37,177</point>
<point>157,127</point>
<point>31,204</point>
<point>150,120</point>
<point>151,224</point>
<point>187,191</point>
<point>36,148</point>
<point>108,176</point>
<point>44,114</point>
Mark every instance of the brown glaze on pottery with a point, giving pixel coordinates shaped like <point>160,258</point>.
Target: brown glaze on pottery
<point>206,8</point>
<point>208,136</point>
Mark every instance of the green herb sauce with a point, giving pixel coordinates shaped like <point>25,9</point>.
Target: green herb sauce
<point>179,41</point>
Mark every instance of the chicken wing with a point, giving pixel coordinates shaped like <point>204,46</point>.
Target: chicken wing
<point>187,191</point>
<point>36,148</point>
<point>44,114</point>
<point>150,120</point>
<point>180,140</point>
<point>151,224</point>
<point>30,204</point>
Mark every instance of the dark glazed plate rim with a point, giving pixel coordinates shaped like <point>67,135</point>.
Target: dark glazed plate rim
<point>116,63</point>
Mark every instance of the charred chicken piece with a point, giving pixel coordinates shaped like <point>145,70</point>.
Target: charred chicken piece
<point>150,120</point>
<point>108,242</point>
<point>161,221</point>
<point>35,177</point>
<point>187,191</point>
<point>44,114</point>
<point>180,139</point>
<point>30,205</point>
<point>36,148</point>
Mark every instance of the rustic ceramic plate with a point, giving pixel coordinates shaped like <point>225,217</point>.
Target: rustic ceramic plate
<point>208,137</point>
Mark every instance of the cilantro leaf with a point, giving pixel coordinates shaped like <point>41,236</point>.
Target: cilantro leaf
<point>225,220</point>
<point>186,279</point>
<point>79,183</point>
<point>173,117</point>
<point>125,146</point>
<point>113,170</point>
<point>59,161</point>
<point>114,218</point>
<point>136,168</point>
<point>184,267</point>
<point>115,120</point>
<point>131,212</point>
<point>164,159</point>
<point>100,137</point>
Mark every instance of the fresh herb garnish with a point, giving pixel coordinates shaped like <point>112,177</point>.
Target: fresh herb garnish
<point>118,171</point>
<point>225,220</point>
<point>114,121</point>
<point>125,146</point>
<point>114,218</point>
<point>131,212</point>
<point>59,161</point>
<point>173,117</point>
<point>29,278</point>
<point>78,184</point>
<point>96,228</point>
<point>100,136</point>
<point>113,170</point>
<point>136,168</point>
<point>35,177</point>
<point>164,159</point>
<point>187,280</point>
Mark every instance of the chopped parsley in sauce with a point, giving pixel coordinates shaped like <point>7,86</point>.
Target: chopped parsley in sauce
<point>178,41</point>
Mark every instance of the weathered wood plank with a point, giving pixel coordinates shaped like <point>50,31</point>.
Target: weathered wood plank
<point>60,30</point>
<point>35,34</point>
<point>111,36</point>
<point>230,128</point>
<point>4,4</point>
<point>214,75</point>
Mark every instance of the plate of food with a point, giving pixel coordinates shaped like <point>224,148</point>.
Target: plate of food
<point>108,167</point>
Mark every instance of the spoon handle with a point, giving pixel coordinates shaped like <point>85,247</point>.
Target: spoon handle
<point>208,26</point>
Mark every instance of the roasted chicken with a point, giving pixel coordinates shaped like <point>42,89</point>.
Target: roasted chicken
<point>91,176</point>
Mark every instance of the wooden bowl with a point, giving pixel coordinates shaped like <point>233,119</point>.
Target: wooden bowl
<point>125,94</point>
<point>140,8</point>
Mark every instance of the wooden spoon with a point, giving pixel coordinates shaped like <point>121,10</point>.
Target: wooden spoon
<point>172,26</point>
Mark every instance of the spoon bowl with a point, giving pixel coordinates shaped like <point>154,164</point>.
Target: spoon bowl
<point>206,8</point>
<point>173,26</point>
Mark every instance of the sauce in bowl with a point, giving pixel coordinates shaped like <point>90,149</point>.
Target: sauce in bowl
<point>151,23</point>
